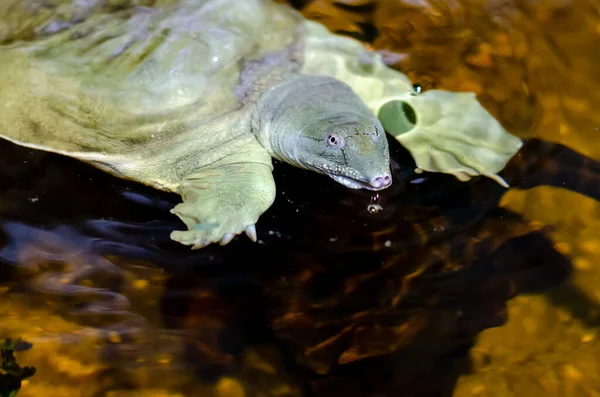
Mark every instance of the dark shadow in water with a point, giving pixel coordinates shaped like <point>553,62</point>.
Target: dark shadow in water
<point>362,295</point>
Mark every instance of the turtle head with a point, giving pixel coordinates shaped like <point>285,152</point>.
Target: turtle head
<point>318,123</point>
<point>352,150</point>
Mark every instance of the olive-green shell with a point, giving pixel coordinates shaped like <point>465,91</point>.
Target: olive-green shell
<point>103,76</point>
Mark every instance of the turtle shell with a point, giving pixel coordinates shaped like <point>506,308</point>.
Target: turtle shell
<point>87,77</point>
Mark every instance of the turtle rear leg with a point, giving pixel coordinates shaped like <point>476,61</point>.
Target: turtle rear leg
<point>222,201</point>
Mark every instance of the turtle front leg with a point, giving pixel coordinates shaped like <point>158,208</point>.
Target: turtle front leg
<point>222,201</point>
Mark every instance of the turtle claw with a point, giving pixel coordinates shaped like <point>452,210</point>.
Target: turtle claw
<point>226,239</point>
<point>200,244</point>
<point>251,232</point>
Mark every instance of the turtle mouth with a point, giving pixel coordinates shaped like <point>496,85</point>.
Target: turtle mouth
<point>354,183</point>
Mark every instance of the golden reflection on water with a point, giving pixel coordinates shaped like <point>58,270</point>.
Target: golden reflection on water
<point>534,64</point>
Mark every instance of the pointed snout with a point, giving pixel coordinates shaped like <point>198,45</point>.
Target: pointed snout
<point>380,182</point>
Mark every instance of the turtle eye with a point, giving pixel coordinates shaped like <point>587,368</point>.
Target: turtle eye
<point>334,140</point>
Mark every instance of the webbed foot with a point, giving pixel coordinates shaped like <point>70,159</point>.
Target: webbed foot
<point>220,203</point>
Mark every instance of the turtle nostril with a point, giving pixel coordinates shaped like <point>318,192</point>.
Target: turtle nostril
<point>381,181</point>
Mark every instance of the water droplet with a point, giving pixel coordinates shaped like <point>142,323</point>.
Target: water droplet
<point>374,208</point>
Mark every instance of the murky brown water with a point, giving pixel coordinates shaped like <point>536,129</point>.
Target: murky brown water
<point>452,289</point>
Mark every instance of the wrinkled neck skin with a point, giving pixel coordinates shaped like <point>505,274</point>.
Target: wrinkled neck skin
<point>318,123</point>
<point>284,111</point>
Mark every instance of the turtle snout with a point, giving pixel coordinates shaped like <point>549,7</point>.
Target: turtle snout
<point>381,181</point>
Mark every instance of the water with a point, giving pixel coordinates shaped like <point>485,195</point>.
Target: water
<point>430,288</point>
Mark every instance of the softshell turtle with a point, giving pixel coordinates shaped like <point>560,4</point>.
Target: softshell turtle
<point>197,96</point>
